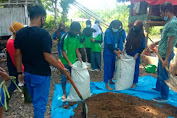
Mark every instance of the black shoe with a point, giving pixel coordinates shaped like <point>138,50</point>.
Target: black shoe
<point>155,89</point>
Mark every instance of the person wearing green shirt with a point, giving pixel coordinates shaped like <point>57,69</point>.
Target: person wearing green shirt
<point>96,47</point>
<point>165,49</point>
<point>70,52</point>
<point>87,36</point>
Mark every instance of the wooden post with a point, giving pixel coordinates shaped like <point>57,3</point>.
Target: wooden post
<point>147,25</point>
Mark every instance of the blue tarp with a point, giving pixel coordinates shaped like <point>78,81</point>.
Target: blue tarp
<point>143,90</point>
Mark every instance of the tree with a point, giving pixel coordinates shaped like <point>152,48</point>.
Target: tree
<point>52,6</point>
<point>65,7</point>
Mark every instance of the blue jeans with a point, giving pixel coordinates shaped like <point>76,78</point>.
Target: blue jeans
<point>63,77</point>
<point>2,97</point>
<point>96,60</point>
<point>38,86</point>
<point>162,76</point>
<point>59,50</point>
<point>137,70</point>
<point>109,67</point>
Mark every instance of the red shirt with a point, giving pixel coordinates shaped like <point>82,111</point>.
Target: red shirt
<point>11,50</point>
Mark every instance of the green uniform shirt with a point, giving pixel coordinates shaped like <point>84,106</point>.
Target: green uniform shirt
<point>69,45</point>
<point>170,29</point>
<point>96,47</point>
<point>87,42</point>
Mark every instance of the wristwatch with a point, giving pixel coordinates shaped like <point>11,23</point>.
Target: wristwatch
<point>19,73</point>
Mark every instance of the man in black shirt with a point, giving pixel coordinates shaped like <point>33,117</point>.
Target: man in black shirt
<point>33,47</point>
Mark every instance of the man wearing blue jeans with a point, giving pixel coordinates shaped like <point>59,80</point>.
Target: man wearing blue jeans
<point>33,47</point>
<point>165,49</point>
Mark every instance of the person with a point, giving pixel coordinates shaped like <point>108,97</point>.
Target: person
<point>57,36</point>
<point>5,77</point>
<point>33,47</point>
<point>87,36</point>
<point>70,51</point>
<point>11,64</point>
<point>96,48</point>
<point>165,49</point>
<point>135,44</point>
<point>113,46</point>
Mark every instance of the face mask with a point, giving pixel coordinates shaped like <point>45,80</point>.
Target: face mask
<point>165,18</point>
<point>114,30</point>
<point>97,24</point>
<point>88,26</point>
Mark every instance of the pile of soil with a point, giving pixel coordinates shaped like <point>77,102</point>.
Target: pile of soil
<point>113,105</point>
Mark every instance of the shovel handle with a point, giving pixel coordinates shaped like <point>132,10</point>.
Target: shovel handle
<point>69,77</point>
<point>159,55</point>
<point>162,61</point>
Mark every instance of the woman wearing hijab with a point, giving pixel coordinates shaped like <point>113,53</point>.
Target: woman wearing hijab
<point>136,43</point>
<point>113,46</point>
<point>96,48</point>
<point>16,26</point>
<point>57,36</point>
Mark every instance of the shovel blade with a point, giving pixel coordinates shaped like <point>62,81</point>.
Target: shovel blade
<point>172,83</point>
<point>85,110</point>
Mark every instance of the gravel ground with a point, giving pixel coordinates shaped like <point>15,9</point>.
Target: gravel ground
<point>18,109</point>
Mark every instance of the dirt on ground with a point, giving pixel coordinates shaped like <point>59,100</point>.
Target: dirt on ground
<point>113,105</point>
<point>100,106</point>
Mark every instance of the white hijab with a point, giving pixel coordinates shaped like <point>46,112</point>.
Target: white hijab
<point>98,30</point>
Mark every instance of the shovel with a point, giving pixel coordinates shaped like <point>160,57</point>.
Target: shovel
<point>84,105</point>
<point>172,81</point>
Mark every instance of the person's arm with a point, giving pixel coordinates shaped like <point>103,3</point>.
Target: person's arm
<point>98,41</point>
<point>168,52</point>
<point>153,45</point>
<point>18,61</point>
<point>143,46</point>
<point>52,61</point>
<point>78,54</point>
<point>4,75</point>
<point>66,57</point>
<point>108,42</point>
<point>1,69</point>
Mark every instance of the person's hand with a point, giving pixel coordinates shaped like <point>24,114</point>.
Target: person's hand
<point>119,51</point>
<point>136,56</point>
<point>21,78</point>
<point>65,71</point>
<point>5,76</point>
<point>123,52</point>
<point>70,64</point>
<point>165,64</point>
<point>93,40</point>
<point>153,47</point>
<point>118,55</point>
<point>79,59</point>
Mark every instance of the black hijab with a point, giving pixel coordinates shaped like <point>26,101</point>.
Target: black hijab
<point>60,30</point>
<point>135,37</point>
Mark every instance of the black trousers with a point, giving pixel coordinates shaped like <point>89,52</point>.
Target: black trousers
<point>81,50</point>
<point>88,51</point>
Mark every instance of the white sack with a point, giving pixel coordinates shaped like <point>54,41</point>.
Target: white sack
<point>81,78</point>
<point>125,68</point>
